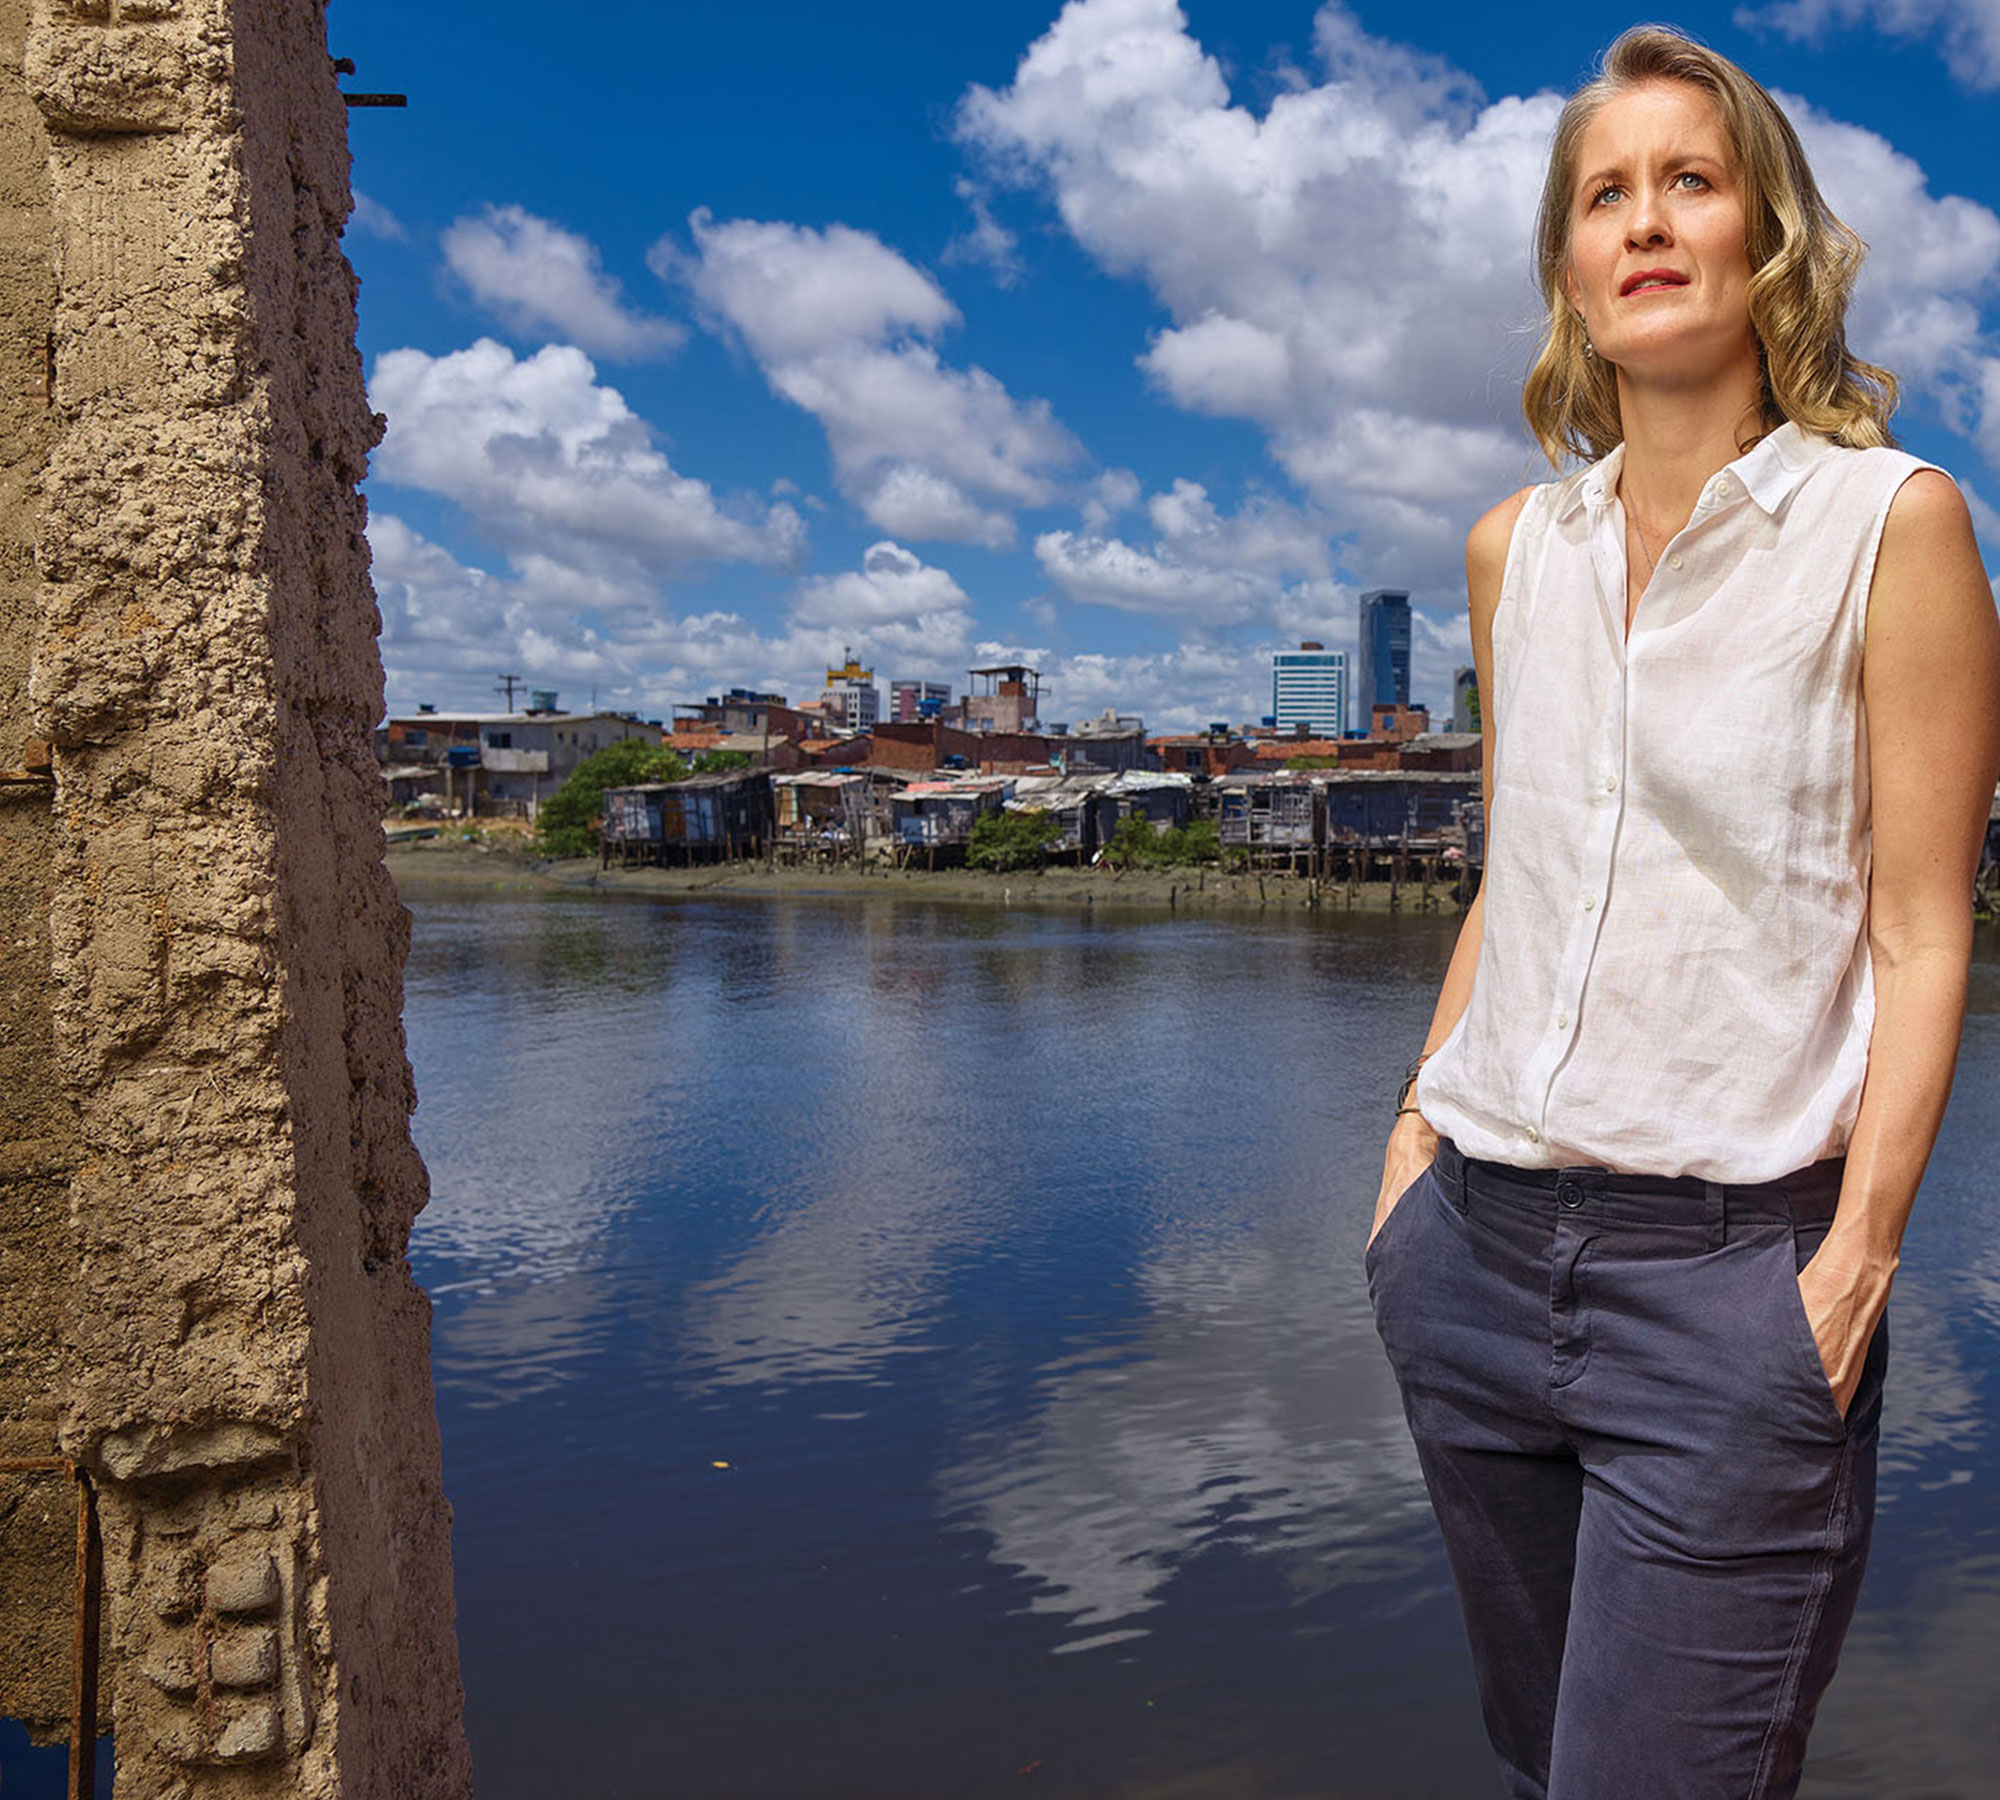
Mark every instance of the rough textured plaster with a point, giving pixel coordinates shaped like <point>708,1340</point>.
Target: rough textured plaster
<point>244,1364</point>
<point>39,1142</point>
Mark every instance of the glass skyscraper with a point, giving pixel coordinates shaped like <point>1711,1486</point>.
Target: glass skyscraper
<point>1385,649</point>
<point>1309,688</point>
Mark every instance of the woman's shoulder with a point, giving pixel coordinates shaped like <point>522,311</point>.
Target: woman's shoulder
<point>1874,494</point>
<point>1828,459</point>
<point>1487,543</point>
<point>1927,517</point>
<point>1488,546</point>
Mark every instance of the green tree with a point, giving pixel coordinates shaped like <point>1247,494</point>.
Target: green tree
<point>567,822</point>
<point>1139,844</point>
<point>1198,841</point>
<point>1007,841</point>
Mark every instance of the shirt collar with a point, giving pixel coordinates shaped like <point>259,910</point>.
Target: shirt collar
<point>1767,473</point>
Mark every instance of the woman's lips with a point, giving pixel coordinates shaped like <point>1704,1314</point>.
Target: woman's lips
<point>1648,279</point>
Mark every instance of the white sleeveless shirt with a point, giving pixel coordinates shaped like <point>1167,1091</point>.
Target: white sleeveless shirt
<point>1673,975</point>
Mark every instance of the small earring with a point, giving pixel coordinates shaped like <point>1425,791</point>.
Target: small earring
<point>1589,351</point>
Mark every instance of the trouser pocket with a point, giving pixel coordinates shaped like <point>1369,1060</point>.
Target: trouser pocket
<point>1796,1325</point>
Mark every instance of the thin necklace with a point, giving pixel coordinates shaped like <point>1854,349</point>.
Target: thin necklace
<point>1652,555</point>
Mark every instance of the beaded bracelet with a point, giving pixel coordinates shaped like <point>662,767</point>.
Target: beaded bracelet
<point>1409,1081</point>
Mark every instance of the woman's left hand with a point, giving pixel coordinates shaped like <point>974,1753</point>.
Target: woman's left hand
<point>1844,1299</point>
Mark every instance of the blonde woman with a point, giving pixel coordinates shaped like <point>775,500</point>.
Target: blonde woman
<point>1642,1202</point>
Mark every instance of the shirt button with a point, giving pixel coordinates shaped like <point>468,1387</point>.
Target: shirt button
<point>1532,1135</point>
<point>1611,784</point>
<point>1722,486</point>
<point>1590,903</point>
<point>1562,1021</point>
<point>1673,562</point>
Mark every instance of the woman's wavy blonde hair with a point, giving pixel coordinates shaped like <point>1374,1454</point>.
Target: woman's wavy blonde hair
<point>1803,261</point>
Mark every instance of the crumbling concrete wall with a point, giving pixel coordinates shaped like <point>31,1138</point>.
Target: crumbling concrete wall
<point>39,1144</point>
<point>243,1365</point>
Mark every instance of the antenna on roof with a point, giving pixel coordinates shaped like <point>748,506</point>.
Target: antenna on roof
<point>506,685</point>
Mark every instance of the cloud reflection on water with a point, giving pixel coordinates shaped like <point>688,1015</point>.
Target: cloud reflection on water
<point>831,1293</point>
<point>1251,1409</point>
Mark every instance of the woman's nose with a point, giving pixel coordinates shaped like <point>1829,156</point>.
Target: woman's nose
<point>1646,223</point>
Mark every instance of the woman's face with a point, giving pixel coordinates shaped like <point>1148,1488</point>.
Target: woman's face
<point>1659,263</point>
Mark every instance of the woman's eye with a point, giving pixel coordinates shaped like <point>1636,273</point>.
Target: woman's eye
<point>1609,192</point>
<point>1689,179</point>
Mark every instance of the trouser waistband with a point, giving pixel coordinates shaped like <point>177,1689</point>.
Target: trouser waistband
<point>1807,1196</point>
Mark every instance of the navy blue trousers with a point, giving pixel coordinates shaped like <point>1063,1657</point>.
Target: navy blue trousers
<point>1656,1516</point>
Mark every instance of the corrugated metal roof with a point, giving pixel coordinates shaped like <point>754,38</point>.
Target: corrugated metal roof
<point>719,778</point>
<point>521,718</point>
<point>1043,793</point>
<point>1381,777</point>
<point>976,784</point>
<point>820,778</point>
<point>1248,778</point>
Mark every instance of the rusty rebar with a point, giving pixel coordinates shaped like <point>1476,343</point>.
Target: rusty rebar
<point>84,1634</point>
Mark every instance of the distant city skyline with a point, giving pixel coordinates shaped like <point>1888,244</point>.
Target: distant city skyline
<point>1128,339</point>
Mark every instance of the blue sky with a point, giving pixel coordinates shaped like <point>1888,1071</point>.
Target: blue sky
<point>1131,339</point>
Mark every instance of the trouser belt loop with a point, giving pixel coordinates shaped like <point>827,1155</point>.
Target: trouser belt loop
<point>1718,1215</point>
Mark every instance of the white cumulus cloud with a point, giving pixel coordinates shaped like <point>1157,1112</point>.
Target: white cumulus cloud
<point>1969,29</point>
<point>549,461</point>
<point>845,328</point>
<point>1349,268</point>
<point>985,241</point>
<point>894,600</point>
<point>1203,565</point>
<point>1111,572</point>
<point>1933,270</point>
<point>1357,252</point>
<point>538,278</point>
<point>372,217</point>
<point>448,627</point>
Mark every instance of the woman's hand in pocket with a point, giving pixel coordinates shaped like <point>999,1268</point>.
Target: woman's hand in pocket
<point>1844,1298</point>
<point>1412,1149</point>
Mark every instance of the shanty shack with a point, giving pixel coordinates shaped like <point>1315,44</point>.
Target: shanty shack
<point>823,813</point>
<point>1274,817</point>
<point>936,817</point>
<point>727,814</point>
<point>1071,801</point>
<point>1164,800</point>
<point>704,818</point>
<point>1376,808</point>
<point>634,824</point>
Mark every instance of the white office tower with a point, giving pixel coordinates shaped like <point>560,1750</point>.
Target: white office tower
<point>851,691</point>
<point>1309,688</point>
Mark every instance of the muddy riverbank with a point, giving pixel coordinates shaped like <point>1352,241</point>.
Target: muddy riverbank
<point>503,864</point>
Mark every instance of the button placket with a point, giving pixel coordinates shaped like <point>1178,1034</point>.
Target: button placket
<point>1601,814</point>
<point>1580,950</point>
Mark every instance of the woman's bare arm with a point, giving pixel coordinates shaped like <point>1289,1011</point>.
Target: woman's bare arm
<point>1412,1142</point>
<point>1931,688</point>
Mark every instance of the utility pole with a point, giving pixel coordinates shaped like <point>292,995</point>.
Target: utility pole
<point>506,685</point>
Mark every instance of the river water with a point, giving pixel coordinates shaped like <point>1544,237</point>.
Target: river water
<point>897,1349</point>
